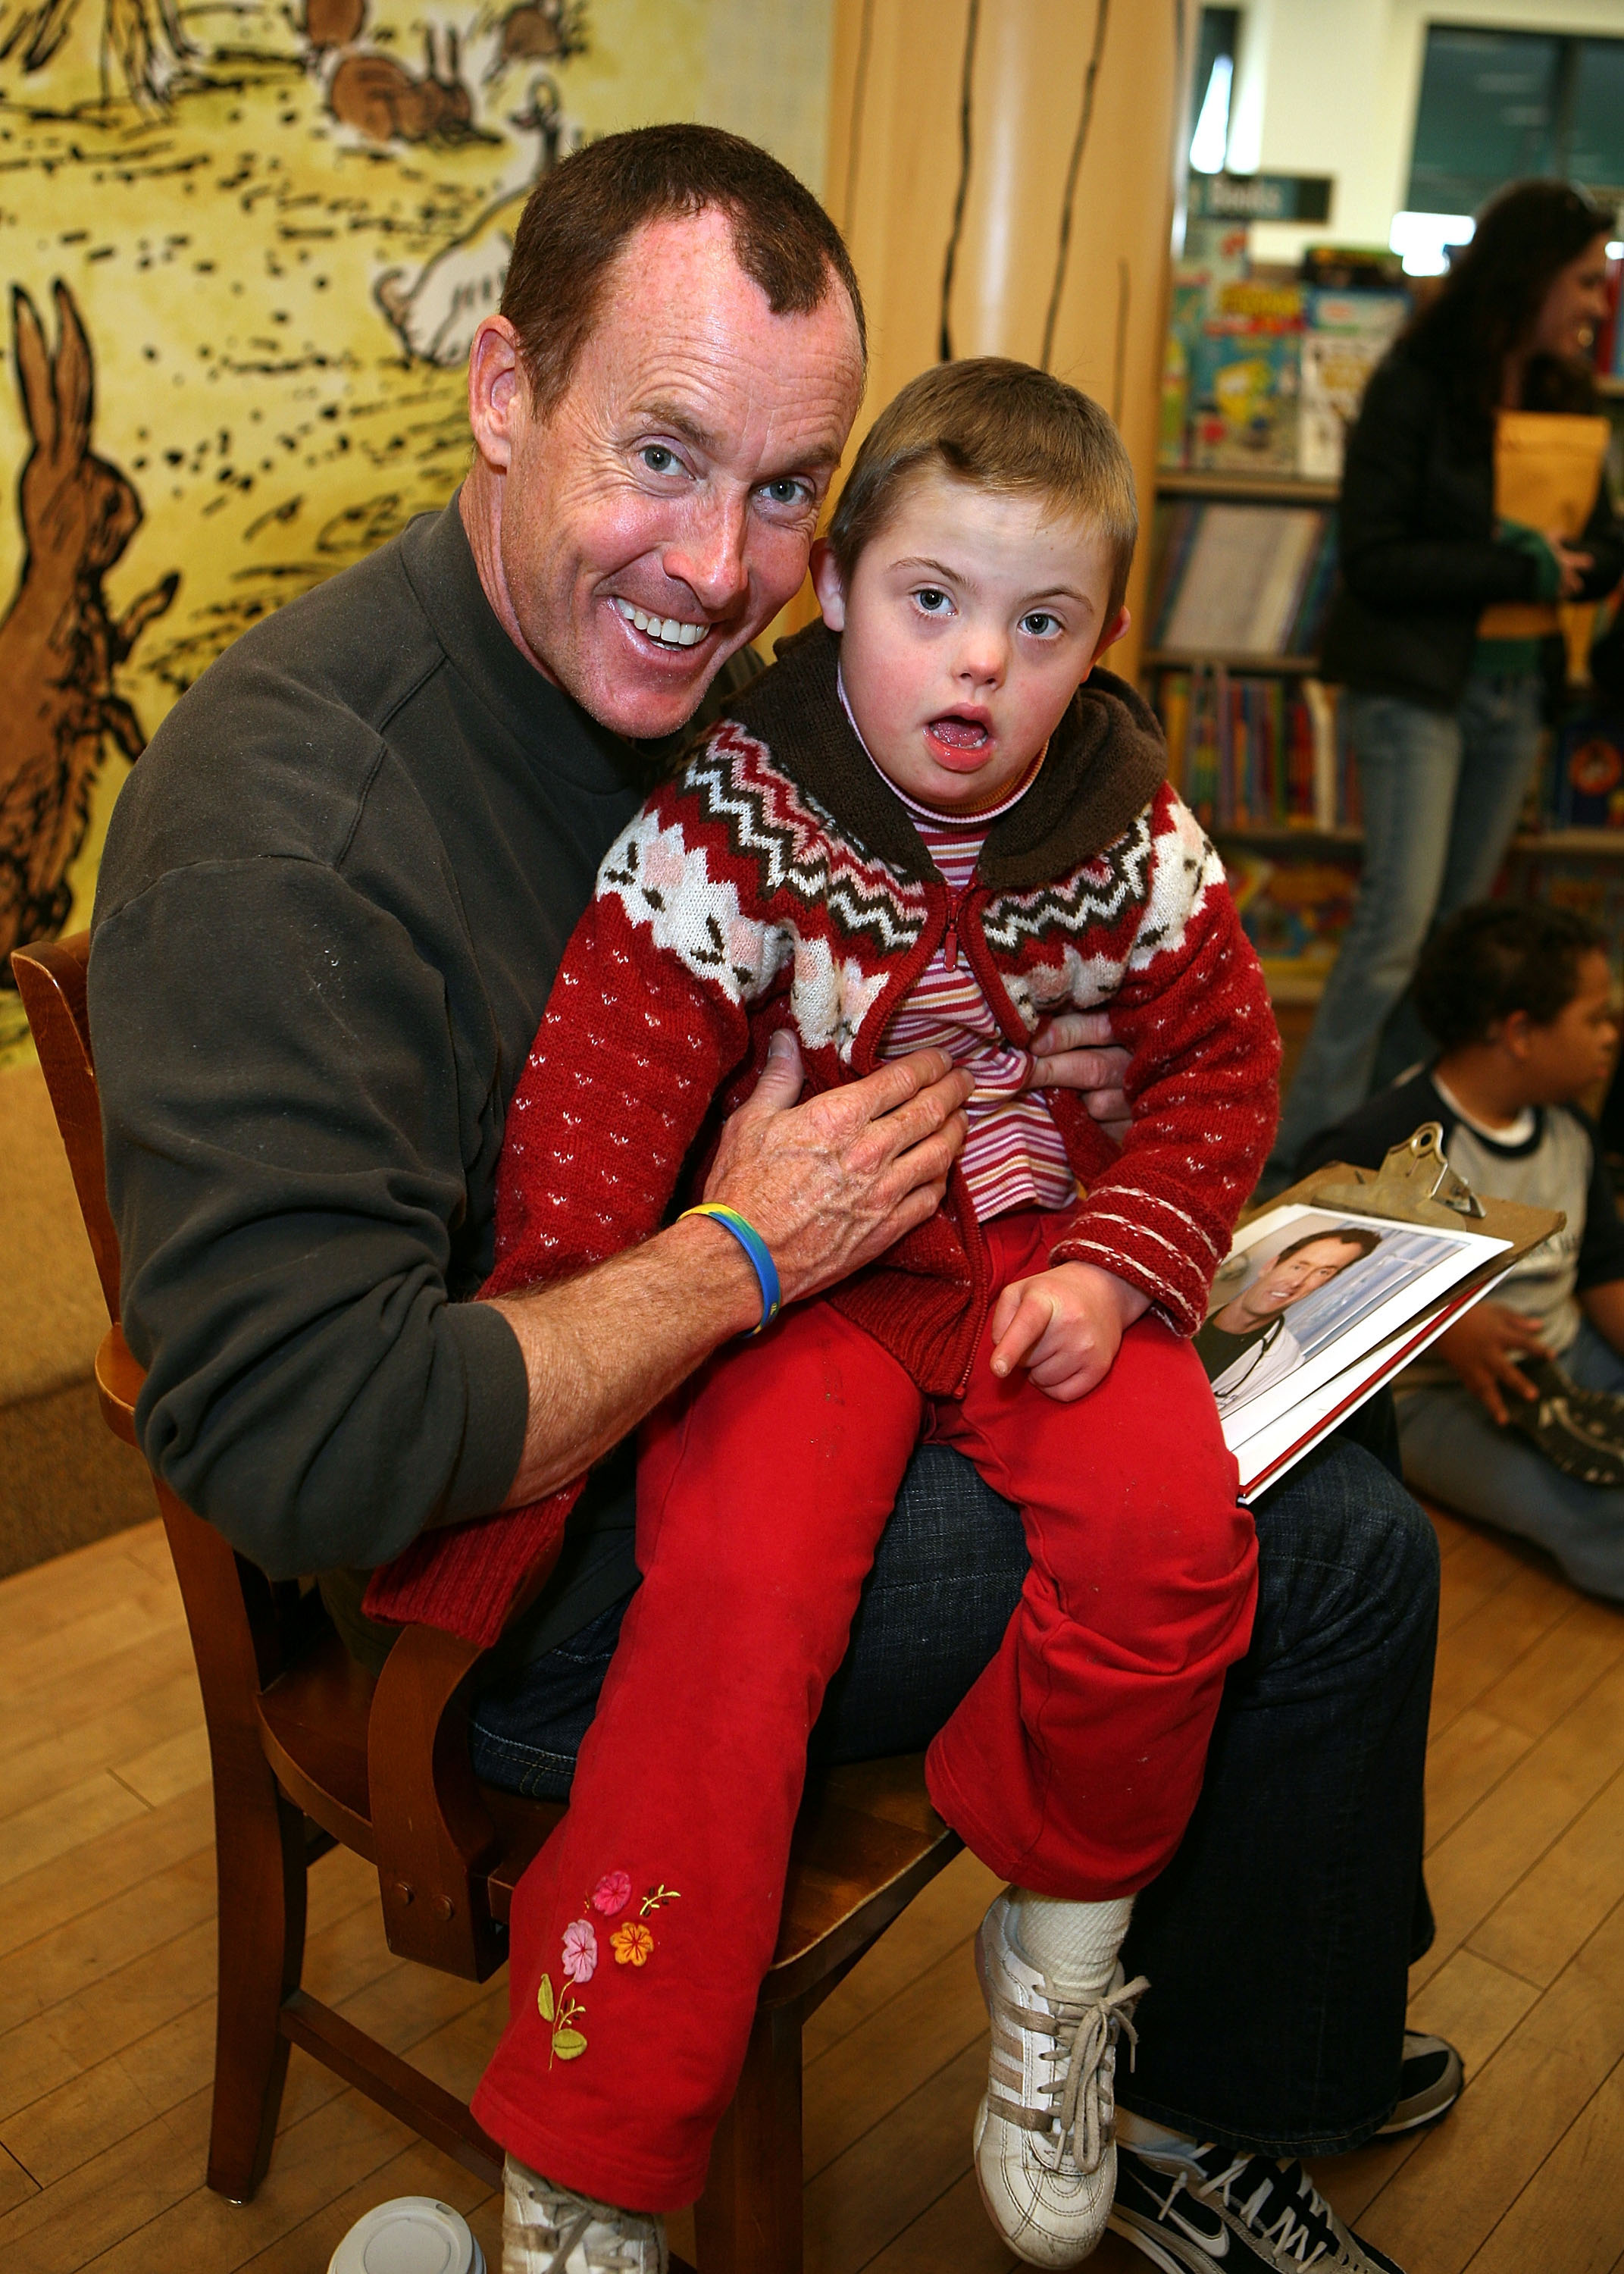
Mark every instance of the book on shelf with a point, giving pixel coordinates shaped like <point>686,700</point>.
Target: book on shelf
<point>1241,580</point>
<point>1263,373</point>
<point>1249,752</point>
<point>1584,779</point>
<point>1348,335</point>
<point>1294,911</point>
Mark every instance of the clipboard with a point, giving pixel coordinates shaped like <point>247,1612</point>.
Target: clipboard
<point>1415,1184</point>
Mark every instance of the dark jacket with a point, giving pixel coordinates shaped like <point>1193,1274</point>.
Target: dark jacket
<point>1418,556</point>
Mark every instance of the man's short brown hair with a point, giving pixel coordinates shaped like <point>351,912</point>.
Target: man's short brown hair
<point>578,218</point>
<point>999,426</point>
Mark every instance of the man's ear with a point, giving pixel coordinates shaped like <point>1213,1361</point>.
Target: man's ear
<point>498,393</point>
<point>829,584</point>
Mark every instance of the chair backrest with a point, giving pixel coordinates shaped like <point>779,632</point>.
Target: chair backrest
<point>51,978</point>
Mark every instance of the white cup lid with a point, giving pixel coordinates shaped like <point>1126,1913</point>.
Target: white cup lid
<point>414,2235</point>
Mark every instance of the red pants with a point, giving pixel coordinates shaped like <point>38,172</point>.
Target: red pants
<point>642,1932</point>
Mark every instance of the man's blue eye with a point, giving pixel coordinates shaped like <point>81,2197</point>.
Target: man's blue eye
<point>657,458</point>
<point>786,492</point>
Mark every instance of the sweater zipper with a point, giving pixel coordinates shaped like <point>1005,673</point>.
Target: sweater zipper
<point>950,939</point>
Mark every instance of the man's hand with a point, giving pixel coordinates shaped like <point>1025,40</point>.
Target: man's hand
<point>1075,1051</point>
<point>1064,1326</point>
<point>1482,1346</point>
<point>831,1183</point>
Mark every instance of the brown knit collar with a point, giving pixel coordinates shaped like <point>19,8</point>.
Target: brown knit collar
<point>1106,761</point>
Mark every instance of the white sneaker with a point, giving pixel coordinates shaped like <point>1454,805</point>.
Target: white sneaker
<point>1045,2153</point>
<point>548,2230</point>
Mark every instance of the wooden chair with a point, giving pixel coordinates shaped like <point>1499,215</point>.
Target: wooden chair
<point>307,1752</point>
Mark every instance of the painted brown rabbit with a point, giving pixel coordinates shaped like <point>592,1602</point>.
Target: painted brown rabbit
<point>58,646</point>
<point>380,99</point>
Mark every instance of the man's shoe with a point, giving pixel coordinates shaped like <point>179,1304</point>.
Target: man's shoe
<point>548,2230</point>
<point>1213,2211</point>
<point>1045,2153</point>
<point>1431,2081</point>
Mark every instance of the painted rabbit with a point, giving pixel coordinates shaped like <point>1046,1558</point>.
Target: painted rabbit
<point>58,646</point>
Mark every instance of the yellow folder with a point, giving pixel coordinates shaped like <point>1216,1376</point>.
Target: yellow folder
<point>1547,476</point>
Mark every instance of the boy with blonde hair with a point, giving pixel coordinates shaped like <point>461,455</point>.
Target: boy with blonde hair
<point>934,823</point>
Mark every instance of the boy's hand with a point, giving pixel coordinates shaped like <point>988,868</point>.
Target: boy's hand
<point>1482,1348</point>
<point>1064,1326</point>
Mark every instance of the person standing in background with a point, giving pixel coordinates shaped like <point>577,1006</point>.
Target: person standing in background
<point>1445,721</point>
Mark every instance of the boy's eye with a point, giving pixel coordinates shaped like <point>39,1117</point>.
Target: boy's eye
<point>1040,623</point>
<point>657,458</point>
<point>931,599</point>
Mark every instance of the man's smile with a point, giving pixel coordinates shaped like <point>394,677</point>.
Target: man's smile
<point>669,631</point>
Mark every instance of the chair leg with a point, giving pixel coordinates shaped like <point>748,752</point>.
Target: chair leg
<point>747,2221</point>
<point>261,1872</point>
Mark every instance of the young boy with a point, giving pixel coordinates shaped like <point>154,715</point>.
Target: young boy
<point>929,824</point>
<point>1519,1000</point>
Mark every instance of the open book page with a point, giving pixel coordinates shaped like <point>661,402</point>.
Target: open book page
<point>1306,1294</point>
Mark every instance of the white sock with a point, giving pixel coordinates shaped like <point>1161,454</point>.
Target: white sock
<point>1153,2139</point>
<point>1074,1944</point>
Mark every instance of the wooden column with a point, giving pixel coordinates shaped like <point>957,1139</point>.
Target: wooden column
<point>1004,171</point>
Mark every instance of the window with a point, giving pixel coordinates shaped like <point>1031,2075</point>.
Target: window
<point>1498,106</point>
<point>1214,83</point>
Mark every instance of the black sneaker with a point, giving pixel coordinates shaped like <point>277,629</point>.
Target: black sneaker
<point>1580,1431</point>
<point>1213,2211</point>
<point>1431,2081</point>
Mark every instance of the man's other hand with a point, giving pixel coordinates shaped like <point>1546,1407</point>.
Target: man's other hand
<point>1075,1051</point>
<point>1065,1326</point>
<point>1483,1348</point>
<point>832,1183</point>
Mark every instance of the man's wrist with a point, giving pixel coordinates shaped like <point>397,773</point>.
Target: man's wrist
<point>723,1280</point>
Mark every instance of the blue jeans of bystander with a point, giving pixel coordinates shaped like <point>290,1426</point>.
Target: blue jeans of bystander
<point>1441,792</point>
<point>1456,1452</point>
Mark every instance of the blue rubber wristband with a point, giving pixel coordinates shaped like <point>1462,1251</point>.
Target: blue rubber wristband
<point>756,1248</point>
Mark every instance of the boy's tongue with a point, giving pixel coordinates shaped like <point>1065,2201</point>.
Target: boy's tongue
<point>960,734</point>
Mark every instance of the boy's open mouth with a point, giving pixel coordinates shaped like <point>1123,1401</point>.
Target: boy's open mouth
<point>959,732</point>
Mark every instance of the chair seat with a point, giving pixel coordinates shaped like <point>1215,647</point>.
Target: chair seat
<point>867,1840</point>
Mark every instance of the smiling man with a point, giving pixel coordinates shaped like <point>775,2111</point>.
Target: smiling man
<point>1247,1345</point>
<point>334,895</point>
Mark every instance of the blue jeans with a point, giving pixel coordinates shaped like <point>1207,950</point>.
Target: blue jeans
<point>1454,1451</point>
<point>1442,792</point>
<point>1279,1937</point>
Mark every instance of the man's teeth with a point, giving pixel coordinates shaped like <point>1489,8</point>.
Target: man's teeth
<point>667,630</point>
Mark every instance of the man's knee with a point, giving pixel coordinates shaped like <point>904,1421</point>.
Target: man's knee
<point>1348,1560</point>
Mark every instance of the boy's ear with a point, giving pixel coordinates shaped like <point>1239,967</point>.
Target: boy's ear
<point>1514,1032</point>
<point>1109,636</point>
<point>827,584</point>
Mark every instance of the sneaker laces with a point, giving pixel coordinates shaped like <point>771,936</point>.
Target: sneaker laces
<point>1279,2203</point>
<point>610,2252</point>
<point>1083,2032</point>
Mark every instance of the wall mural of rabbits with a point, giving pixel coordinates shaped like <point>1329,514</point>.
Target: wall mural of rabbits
<point>58,645</point>
<point>247,247</point>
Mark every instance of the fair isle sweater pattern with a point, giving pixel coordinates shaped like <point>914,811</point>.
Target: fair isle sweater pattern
<point>745,896</point>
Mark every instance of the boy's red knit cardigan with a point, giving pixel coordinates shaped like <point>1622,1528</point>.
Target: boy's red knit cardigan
<point>778,882</point>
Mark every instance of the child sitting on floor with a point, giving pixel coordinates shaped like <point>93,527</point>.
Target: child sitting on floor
<point>1519,998</point>
<point>931,824</point>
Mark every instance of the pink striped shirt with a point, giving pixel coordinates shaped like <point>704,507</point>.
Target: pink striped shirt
<point>1014,1155</point>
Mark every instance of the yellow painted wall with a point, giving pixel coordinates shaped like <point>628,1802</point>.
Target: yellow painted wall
<point>226,246</point>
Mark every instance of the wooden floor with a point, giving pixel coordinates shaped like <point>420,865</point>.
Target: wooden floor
<point>106,1962</point>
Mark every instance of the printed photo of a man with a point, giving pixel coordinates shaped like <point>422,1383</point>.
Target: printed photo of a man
<point>1246,1346</point>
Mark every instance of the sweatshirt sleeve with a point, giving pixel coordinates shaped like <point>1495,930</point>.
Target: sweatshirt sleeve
<point>1202,1080</point>
<point>279,1095</point>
